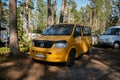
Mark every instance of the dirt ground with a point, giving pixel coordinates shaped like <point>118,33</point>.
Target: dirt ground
<point>102,64</point>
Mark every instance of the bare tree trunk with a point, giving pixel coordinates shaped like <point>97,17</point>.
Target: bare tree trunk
<point>49,14</point>
<point>14,46</point>
<point>68,18</point>
<point>27,16</point>
<point>91,18</point>
<point>36,20</point>
<point>0,13</point>
<point>66,15</point>
<point>104,26</point>
<point>54,12</point>
<point>62,11</point>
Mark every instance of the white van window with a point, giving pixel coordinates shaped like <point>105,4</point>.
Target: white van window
<point>112,31</point>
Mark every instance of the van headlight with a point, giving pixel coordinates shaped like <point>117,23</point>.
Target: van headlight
<point>61,44</point>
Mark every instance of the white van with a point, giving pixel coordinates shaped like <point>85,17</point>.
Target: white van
<point>111,37</point>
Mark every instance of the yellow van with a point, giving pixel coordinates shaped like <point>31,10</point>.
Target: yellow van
<point>61,43</point>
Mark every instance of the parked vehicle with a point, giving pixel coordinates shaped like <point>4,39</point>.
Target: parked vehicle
<point>111,37</point>
<point>62,43</point>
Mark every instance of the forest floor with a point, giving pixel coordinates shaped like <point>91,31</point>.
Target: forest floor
<point>102,64</point>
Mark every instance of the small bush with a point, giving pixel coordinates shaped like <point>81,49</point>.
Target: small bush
<point>5,50</point>
<point>23,49</point>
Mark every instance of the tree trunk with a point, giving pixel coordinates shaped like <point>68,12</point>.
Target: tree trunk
<point>49,14</point>
<point>91,18</point>
<point>62,11</point>
<point>27,16</point>
<point>0,12</point>
<point>54,19</point>
<point>14,46</point>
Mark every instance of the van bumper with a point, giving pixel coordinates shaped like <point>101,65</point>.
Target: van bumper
<point>106,43</point>
<point>49,54</point>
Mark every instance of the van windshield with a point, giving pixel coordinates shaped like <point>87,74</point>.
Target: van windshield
<point>112,31</point>
<point>61,29</point>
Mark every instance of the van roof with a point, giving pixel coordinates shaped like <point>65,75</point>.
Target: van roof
<point>115,27</point>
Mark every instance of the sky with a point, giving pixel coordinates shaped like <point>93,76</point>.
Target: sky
<point>81,3</point>
<point>78,2</point>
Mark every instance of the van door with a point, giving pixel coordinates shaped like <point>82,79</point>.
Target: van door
<point>77,40</point>
<point>86,39</point>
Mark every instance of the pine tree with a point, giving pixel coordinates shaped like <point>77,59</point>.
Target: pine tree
<point>14,46</point>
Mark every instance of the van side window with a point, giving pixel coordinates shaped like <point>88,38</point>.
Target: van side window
<point>118,32</point>
<point>86,31</point>
<point>77,31</point>
<point>113,31</point>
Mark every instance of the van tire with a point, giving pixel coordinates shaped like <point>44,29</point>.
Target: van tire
<point>71,58</point>
<point>116,45</point>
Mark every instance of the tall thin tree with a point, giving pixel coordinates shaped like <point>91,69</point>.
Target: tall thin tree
<point>27,16</point>
<point>54,17</point>
<point>62,11</point>
<point>49,13</point>
<point>0,12</point>
<point>14,46</point>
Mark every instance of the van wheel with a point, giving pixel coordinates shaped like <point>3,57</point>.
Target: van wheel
<point>71,58</point>
<point>116,45</point>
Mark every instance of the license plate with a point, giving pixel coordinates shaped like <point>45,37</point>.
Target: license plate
<point>40,55</point>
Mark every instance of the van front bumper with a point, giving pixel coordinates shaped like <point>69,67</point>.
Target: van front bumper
<point>49,54</point>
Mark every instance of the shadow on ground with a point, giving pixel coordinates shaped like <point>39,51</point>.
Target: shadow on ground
<point>102,64</point>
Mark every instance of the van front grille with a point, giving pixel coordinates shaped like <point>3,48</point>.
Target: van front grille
<point>43,44</point>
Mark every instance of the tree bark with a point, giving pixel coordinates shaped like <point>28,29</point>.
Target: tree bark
<point>0,12</point>
<point>62,11</point>
<point>27,16</point>
<point>54,19</point>
<point>49,14</point>
<point>14,46</point>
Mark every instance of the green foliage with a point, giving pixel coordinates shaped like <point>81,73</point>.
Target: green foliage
<point>23,49</point>
<point>41,16</point>
<point>31,4</point>
<point>98,32</point>
<point>25,42</point>
<point>6,50</point>
<point>4,13</point>
<point>19,24</point>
